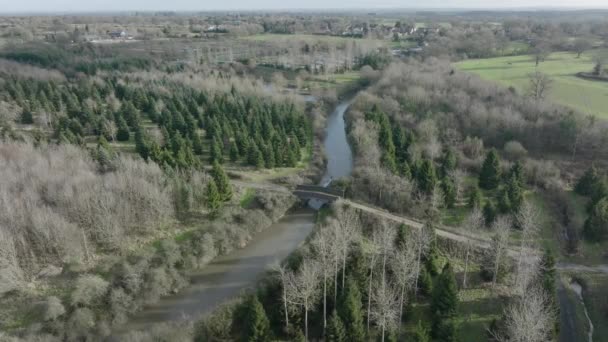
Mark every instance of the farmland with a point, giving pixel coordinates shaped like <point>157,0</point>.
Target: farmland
<point>590,97</point>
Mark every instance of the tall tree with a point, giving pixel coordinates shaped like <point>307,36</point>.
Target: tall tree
<point>500,242</point>
<point>336,332</point>
<point>445,294</point>
<point>302,289</point>
<point>596,225</point>
<point>257,325</point>
<point>489,177</point>
<point>426,176</point>
<point>473,224</point>
<point>221,180</point>
<point>351,311</point>
<point>214,199</point>
<point>385,309</point>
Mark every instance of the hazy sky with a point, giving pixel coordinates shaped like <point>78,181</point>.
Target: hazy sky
<point>202,5</point>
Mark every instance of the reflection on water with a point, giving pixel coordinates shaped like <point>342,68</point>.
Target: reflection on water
<point>228,275</point>
<point>337,149</point>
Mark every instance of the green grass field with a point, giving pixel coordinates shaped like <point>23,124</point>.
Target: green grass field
<point>567,89</point>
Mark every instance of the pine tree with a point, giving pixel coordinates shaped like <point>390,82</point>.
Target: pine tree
<point>268,157</point>
<point>596,225</point>
<point>425,282</point>
<point>421,333</point>
<point>431,260</point>
<point>216,154</point>
<point>448,162</point>
<point>444,330</point>
<point>587,182</point>
<point>122,134</point>
<point>489,177</point>
<point>351,312</point>
<point>197,144</point>
<point>504,203</point>
<point>257,325</point>
<point>517,171</point>
<point>475,197</point>
<point>26,117</point>
<point>223,183</point>
<point>445,294</point>
<point>449,193</point>
<point>213,196</point>
<point>234,152</point>
<point>489,213</point>
<point>426,176</point>
<point>405,170</point>
<point>335,329</point>
<point>515,193</point>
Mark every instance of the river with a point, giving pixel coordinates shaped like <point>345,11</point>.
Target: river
<point>227,276</point>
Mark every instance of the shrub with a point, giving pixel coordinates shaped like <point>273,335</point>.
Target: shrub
<point>514,150</point>
<point>80,323</point>
<point>89,290</point>
<point>53,308</point>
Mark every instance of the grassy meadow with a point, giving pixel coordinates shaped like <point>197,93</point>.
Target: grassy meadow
<point>590,97</point>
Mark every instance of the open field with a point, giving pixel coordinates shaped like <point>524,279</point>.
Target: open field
<point>567,89</point>
<point>311,38</point>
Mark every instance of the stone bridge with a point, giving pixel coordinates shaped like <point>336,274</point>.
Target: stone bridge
<point>316,192</point>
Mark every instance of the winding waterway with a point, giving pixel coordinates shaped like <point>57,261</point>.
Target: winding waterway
<point>226,276</point>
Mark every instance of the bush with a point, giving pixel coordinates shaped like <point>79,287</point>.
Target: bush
<point>89,290</point>
<point>53,308</point>
<point>514,150</point>
<point>80,323</point>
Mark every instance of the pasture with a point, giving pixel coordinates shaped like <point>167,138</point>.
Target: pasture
<point>586,96</point>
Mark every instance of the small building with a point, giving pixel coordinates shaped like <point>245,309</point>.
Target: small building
<point>117,34</point>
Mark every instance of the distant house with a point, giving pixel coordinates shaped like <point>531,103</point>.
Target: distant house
<point>117,34</point>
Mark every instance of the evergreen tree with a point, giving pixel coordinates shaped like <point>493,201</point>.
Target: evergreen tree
<point>222,182</point>
<point>26,117</point>
<point>421,333</point>
<point>234,152</point>
<point>254,156</point>
<point>445,294</point>
<point>335,329</point>
<point>475,197</point>
<point>448,162</point>
<point>425,282</point>
<point>504,203</point>
<point>596,225</point>
<point>405,170</point>
<point>449,193</point>
<point>269,162</point>
<point>489,213</point>
<point>489,177</point>
<point>257,325</point>
<point>517,171</point>
<point>122,134</point>
<point>587,182</point>
<point>515,193</point>
<point>444,330</point>
<point>351,312</point>
<point>216,154</point>
<point>432,261</point>
<point>197,144</point>
<point>213,196</point>
<point>426,176</point>
<point>401,238</point>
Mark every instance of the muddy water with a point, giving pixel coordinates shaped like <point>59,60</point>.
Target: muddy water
<point>225,277</point>
<point>337,149</point>
<point>578,289</point>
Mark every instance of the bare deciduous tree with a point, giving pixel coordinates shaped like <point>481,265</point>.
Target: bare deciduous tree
<point>539,85</point>
<point>349,227</point>
<point>473,223</point>
<point>421,243</point>
<point>385,309</point>
<point>500,242</point>
<point>403,266</point>
<point>302,288</point>
<point>284,276</point>
<point>529,318</point>
<point>527,219</point>
<point>324,245</point>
